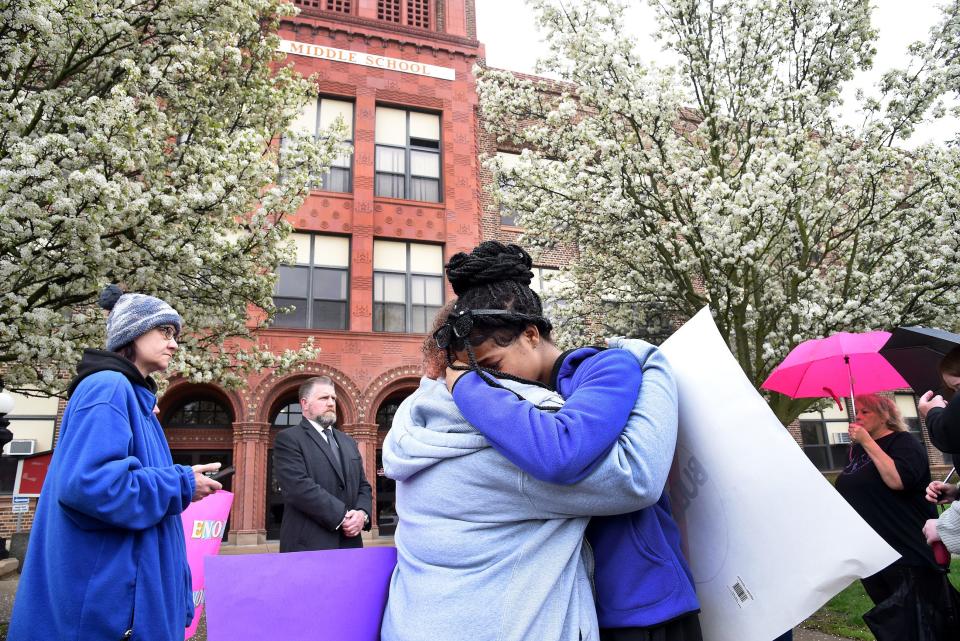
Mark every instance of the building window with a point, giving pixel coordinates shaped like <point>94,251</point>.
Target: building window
<point>508,216</point>
<point>288,416</point>
<point>34,418</point>
<point>8,473</point>
<point>826,441</point>
<point>418,13</point>
<point>412,13</point>
<point>907,405</point>
<point>316,285</point>
<point>388,410</point>
<point>407,285</point>
<point>388,10</point>
<point>407,155</point>
<point>200,414</point>
<point>307,4</point>
<point>315,119</point>
<point>340,6</point>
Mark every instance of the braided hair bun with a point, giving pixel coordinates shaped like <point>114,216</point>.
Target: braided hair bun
<point>490,262</point>
<point>494,302</point>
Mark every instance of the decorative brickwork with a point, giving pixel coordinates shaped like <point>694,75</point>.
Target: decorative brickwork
<point>270,392</point>
<point>398,379</point>
<point>441,22</point>
<point>471,11</point>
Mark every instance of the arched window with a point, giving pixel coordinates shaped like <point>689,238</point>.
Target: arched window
<point>288,415</point>
<point>388,409</point>
<point>200,414</point>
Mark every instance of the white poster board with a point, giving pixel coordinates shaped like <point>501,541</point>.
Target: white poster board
<point>768,539</point>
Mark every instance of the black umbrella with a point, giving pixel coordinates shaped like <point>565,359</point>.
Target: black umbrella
<point>916,353</point>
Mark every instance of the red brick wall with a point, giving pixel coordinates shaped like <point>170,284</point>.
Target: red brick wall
<point>8,520</point>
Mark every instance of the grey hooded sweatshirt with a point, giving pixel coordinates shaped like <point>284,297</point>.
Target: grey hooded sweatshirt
<point>485,551</point>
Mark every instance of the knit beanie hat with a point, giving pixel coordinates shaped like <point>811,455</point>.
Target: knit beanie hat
<point>133,315</point>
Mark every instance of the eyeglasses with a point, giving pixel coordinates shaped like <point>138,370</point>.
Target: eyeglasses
<point>460,324</point>
<point>169,332</point>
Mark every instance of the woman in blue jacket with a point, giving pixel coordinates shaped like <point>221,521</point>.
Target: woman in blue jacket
<point>107,558</point>
<point>644,587</point>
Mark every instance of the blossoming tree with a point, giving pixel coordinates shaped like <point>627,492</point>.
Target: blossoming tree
<point>135,148</point>
<point>728,180</point>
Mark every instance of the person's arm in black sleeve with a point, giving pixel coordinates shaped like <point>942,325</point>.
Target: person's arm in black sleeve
<point>299,489</point>
<point>943,425</point>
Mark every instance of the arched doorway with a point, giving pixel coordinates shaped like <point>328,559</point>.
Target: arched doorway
<point>200,430</point>
<point>287,414</point>
<point>386,487</point>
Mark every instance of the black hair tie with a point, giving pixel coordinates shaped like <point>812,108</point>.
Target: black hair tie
<point>459,324</point>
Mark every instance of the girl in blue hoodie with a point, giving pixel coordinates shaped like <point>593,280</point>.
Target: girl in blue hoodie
<point>644,587</point>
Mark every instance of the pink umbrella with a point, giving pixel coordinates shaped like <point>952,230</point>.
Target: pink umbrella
<point>830,366</point>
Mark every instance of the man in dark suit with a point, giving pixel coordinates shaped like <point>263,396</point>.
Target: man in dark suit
<point>326,495</point>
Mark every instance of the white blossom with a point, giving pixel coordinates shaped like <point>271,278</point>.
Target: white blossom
<point>135,148</point>
<point>728,180</point>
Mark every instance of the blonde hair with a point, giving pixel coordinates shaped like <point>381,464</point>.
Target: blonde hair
<point>885,408</point>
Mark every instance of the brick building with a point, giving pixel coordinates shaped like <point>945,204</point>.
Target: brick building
<point>372,238</point>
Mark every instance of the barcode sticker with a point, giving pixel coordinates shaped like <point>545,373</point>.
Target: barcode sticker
<point>741,593</point>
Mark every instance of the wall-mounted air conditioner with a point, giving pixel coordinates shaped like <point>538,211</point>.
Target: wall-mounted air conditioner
<point>22,446</point>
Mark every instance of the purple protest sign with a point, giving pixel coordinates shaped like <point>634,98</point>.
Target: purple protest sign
<point>203,524</point>
<point>307,596</point>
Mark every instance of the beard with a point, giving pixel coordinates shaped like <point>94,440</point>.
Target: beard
<point>327,419</point>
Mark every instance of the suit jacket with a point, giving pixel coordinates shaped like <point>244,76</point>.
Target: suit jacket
<point>315,494</point>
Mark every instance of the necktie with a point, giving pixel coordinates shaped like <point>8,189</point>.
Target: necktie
<point>328,432</point>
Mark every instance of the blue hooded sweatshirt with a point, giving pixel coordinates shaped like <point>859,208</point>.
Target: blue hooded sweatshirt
<point>641,576</point>
<point>107,550</point>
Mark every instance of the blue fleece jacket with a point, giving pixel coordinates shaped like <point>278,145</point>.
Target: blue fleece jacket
<point>107,545</point>
<point>641,576</point>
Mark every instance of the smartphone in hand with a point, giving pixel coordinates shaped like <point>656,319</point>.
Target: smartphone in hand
<point>219,475</point>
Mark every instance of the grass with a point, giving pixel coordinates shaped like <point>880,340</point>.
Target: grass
<point>842,614</point>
